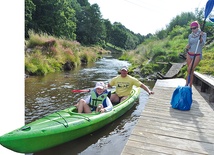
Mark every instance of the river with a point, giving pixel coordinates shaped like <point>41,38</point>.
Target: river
<point>51,93</point>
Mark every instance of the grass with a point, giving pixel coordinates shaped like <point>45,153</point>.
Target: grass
<point>167,50</point>
<point>47,54</point>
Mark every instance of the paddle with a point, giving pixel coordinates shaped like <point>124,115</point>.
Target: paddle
<point>208,9</point>
<point>79,91</point>
<point>212,19</point>
<point>182,96</point>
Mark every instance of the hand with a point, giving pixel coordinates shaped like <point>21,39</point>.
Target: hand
<point>76,105</point>
<point>102,110</point>
<point>151,92</point>
<point>201,33</point>
<point>187,46</point>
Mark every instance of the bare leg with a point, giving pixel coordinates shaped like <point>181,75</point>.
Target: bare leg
<point>197,60</point>
<point>114,98</point>
<point>122,99</point>
<point>83,107</point>
<point>188,60</point>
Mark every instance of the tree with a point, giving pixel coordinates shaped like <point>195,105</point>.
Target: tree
<point>77,19</point>
<point>108,28</point>
<point>181,20</point>
<point>90,26</point>
<point>118,35</point>
<point>55,17</point>
<point>161,34</point>
<point>122,37</point>
<point>83,3</point>
<point>29,9</point>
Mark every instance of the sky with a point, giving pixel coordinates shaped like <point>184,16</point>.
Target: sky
<point>145,16</point>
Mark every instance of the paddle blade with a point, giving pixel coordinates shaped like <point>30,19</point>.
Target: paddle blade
<point>79,91</point>
<point>208,8</point>
<point>212,19</point>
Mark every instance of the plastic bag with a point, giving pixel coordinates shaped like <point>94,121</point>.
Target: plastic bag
<point>182,98</point>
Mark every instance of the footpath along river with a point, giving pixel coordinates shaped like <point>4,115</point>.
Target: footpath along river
<point>51,93</point>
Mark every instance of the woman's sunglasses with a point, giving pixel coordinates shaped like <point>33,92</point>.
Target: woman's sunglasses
<point>193,28</point>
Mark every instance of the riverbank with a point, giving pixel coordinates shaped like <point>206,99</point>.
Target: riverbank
<point>47,54</point>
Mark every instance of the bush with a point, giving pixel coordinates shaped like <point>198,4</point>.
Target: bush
<point>49,54</point>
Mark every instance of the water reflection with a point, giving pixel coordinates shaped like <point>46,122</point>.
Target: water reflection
<point>45,95</point>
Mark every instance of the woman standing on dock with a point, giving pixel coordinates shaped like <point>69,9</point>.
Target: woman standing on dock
<point>194,49</point>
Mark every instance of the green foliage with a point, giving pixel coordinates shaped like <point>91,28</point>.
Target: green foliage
<point>206,65</point>
<point>176,32</point>
<point>35,39</point>
<point>165,46</point>
<point>173,57</point>
<point>90,27</point>
<point>181,20</point>
<point>122,37</point>
<point>147,70</point>
<point>77,20</point>
<point>29,9</point>
<point>158,52</point>
<point>161,34</point>
<point>35,64</point>
<point>49,54</point>
<point>55,65</point>
<point>160,58</point>
<point>126,56</point>
<point>54,17</point>
<point>88,56</point>
<point>118,36</point>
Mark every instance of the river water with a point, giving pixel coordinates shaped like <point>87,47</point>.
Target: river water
<point>51,93</point>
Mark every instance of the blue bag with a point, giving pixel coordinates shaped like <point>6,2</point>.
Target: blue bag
<point>182,98</point>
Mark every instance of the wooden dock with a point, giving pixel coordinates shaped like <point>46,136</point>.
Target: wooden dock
<point>173,71</point>
<point>163,130</point>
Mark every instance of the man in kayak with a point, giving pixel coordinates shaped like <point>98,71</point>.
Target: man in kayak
<point>98,100</point>
<point>124,84</point>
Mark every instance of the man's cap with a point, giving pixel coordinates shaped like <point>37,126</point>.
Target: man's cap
<point>124,68</point>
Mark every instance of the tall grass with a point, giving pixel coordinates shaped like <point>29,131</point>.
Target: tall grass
<point>45,54</point>
<point>167,50</point>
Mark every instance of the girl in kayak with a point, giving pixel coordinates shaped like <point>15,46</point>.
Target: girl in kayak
<point>98,100</point>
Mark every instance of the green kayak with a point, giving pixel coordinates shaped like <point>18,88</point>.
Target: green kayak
<point>61,127</point>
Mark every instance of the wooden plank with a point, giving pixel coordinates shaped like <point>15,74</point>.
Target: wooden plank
<point>174,70</point>
<point>168,145</point>
<point>180,134</point>
<point>208,80</point>
<point>163,130</point>
<point>206,84</point>
<point>183,117</point>
<point>174,126</point>
<point>136,148</point>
